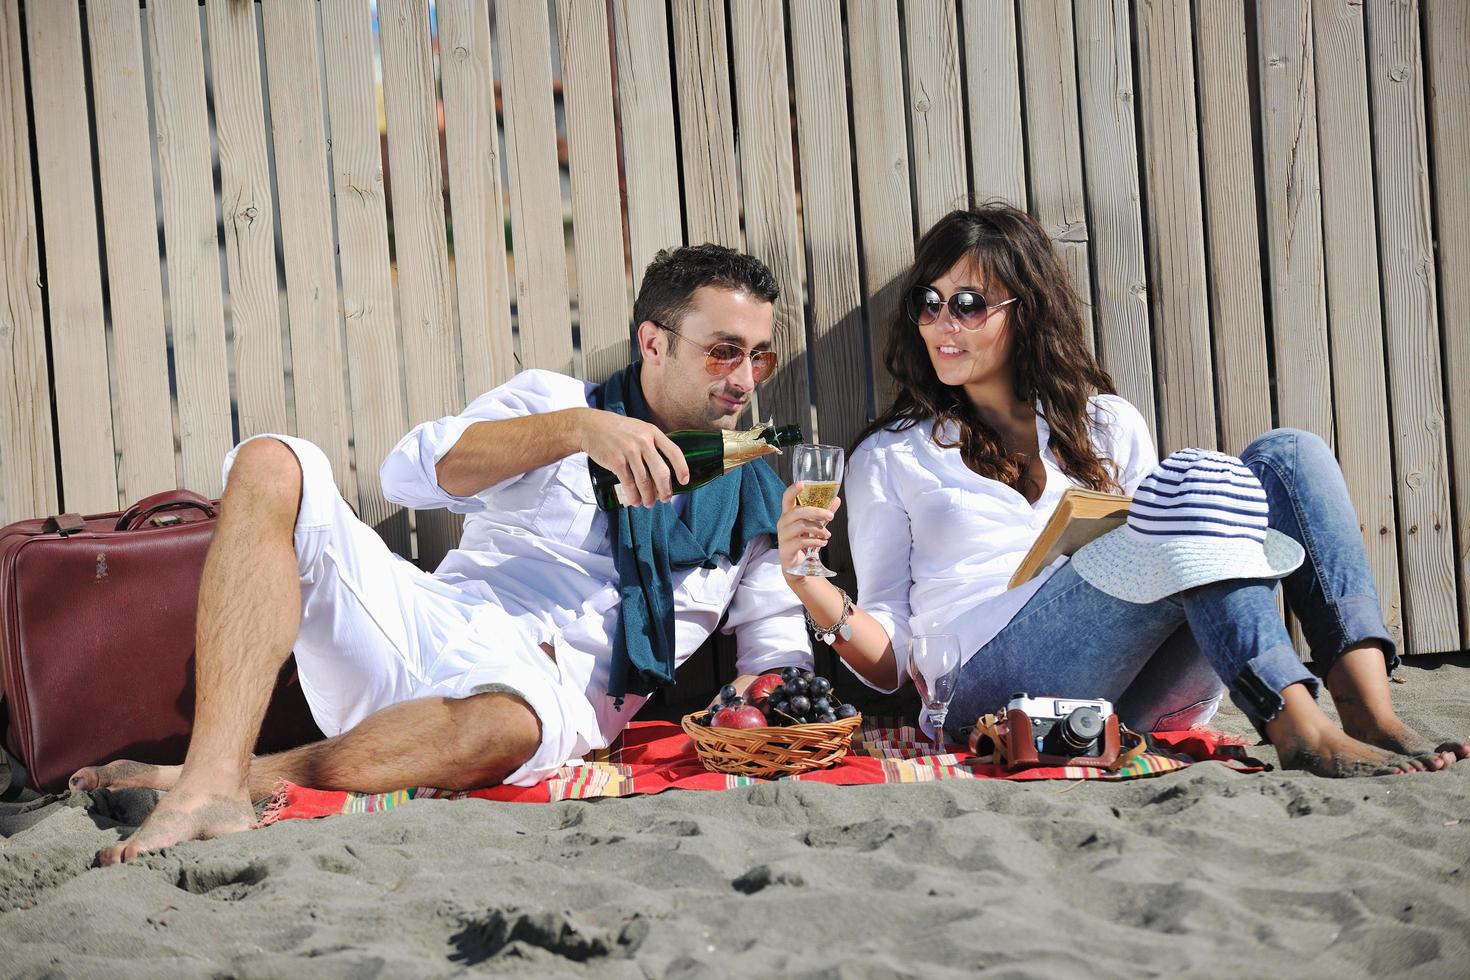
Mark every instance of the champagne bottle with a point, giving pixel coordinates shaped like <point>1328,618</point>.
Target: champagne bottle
<point>709,453</point>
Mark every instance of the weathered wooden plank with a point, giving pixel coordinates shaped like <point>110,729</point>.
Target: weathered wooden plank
<point>372,344</point>
<point>1294,217</point>
<point>1354,320</point>
<point>839,354</point>
<point>993,81</point>
<point>27,459</point>
<point>1180,313</point>
<point>73,274</point>
<point>834,288</point>
<point>476,201</point>
<point>1054,138</point>
<point>195,297</point>
<point>885,204</point>
<point>646,104</point>
<point>143,424</point>
<point>426,313</point>
<point>1237,310</point>
<point>1120,286</point>
<point>1411,315</point>
<point>769,184</point>
<point>597,213</point>
<point>1447,54</point>
<point>936,110</point>
<point>248,212</point>
<point>544,309</point>
<point>706,124</point>
<point>294,71</point>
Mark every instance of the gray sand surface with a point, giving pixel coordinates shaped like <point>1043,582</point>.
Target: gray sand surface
<point>1205,872</point>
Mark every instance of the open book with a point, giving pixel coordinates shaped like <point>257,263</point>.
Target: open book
<point>1081,515</point>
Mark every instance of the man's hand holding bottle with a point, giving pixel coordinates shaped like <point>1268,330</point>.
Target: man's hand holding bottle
<point>646,462</point>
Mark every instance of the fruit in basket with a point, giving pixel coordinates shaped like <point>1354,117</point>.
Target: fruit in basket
<point>744,716</point>
<point>759,692</point>
<point>792,697</point>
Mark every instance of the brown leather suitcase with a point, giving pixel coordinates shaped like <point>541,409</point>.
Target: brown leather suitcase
<point>97,639</point>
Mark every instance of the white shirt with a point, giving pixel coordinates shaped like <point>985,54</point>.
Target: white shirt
<point>934,543</point>
<point>539,545</point>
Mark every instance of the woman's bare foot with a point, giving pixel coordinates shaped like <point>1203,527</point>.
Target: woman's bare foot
<point>1306,739</point>
<point>124,774</point>
<point>1336,754</point>
<point>1358,682</point>
<point>184,815</point>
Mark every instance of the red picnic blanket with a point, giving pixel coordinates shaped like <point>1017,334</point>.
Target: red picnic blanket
<point>653,756</point>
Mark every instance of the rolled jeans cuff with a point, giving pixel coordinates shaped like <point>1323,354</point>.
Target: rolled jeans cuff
<point>1358,619</point>
<point>1257,689</point>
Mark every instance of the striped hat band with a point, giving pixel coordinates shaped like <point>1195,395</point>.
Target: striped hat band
<point>1197,492</point>
<point>1199,517</point>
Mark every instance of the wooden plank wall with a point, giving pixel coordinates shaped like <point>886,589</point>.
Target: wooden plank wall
<point>1262,204</point>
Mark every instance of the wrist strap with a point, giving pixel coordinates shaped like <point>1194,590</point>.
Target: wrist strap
<point>829,634</point>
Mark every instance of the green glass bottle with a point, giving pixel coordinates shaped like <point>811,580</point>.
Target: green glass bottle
<point>709,453</point>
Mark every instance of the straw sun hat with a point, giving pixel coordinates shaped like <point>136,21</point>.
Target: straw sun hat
<point>1199,517</point>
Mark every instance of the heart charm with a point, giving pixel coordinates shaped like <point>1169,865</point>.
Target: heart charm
<point>846,631</point>
<point>828,639</point>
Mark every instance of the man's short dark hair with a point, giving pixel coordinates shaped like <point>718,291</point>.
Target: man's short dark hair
<point>669,282</point>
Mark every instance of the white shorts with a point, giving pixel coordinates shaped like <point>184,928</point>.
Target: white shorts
<point>376,630</point>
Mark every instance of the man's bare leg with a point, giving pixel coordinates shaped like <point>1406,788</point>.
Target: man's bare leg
<point>449,743</point>
<point>1359,687</point>
<point>249,614</point>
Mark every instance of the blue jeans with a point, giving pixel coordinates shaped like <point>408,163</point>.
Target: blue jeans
<point>1166,664</point>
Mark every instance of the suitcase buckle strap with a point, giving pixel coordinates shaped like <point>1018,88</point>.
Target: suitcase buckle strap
<point>63,524</point>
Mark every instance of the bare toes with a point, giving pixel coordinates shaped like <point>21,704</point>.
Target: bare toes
<point>122,774</point>
<point>1455,750</point>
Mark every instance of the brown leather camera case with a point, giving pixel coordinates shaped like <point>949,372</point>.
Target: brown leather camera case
<point>1021,745</point>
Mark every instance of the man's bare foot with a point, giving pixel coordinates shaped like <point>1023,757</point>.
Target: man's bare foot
<point>124,774</point>
<point>184,816</point>
<point>1358,682</point>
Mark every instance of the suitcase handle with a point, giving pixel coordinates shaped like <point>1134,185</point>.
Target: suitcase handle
<point>135,516</point>
<point>63,524</point>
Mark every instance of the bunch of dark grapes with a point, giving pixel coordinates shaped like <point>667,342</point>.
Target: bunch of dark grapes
<point>800,698</point>
<point>804,698</point>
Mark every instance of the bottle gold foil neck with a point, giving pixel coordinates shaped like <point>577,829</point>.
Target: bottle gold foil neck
<point>744,445</point>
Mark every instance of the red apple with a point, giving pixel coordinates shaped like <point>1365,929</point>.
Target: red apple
<point>760,689</point>
<point>745,716</point>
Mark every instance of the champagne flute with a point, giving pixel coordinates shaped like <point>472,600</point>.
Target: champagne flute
<point>819,470</point>
<point>934,664</point>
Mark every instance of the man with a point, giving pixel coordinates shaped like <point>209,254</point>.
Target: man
<point>497,667</point>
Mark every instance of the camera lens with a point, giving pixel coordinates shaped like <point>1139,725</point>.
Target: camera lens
<point>1081,728</point>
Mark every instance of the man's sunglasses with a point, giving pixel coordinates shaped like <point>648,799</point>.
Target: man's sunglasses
<point>967,308</point>
<point>725,358</point>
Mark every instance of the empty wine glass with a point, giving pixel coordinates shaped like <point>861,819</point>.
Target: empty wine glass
<point>934,664</point>
<point>819,471</point>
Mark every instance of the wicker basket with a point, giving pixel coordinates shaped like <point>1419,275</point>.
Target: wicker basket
<point>770,751</point>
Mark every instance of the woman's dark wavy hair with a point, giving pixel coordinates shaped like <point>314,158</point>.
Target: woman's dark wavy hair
<point>1050,361</point>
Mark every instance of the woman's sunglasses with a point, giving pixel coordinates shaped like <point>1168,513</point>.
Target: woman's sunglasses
<point>967,308</point>
<point>726,358</point>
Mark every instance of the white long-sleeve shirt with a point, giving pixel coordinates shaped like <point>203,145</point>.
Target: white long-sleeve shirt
<point>934,544</point>
<point>539,545</point>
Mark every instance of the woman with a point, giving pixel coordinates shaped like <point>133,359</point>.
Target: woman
<point>1000,408</point>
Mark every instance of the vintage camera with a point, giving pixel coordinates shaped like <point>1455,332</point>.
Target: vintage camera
<point>1052,731</point>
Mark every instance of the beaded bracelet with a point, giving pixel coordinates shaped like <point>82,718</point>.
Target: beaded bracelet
<point>842,628</point>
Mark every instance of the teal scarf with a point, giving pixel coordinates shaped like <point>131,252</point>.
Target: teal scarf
<point>649,544</point>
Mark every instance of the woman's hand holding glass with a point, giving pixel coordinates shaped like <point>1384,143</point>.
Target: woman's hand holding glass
<point>817,473</point>
<point>801,531</point>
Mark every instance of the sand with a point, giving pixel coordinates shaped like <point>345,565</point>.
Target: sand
<point>1205,872</point>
